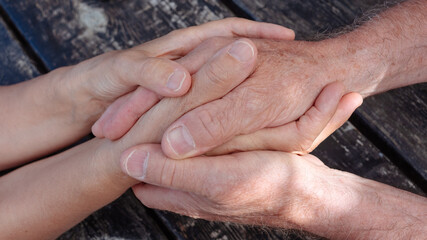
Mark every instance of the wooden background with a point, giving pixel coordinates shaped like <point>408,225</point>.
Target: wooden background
<point>385,140</point>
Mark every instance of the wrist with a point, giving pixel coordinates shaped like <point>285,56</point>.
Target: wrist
<point>107,165</point>
<point>385,53</point>
<point>361,66</point>
<point>342,205</point>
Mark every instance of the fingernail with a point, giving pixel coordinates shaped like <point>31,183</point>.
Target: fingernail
<point>180,140</point>
<point>175,80</point>
<point>136,163</point>
<point>242,51</point>
<point>96,129</point>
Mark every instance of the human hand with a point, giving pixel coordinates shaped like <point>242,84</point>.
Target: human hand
<point>86,169</point>
<point>374,58</point>
<point>150,66</point>
<point>275,189</point>
<point>288,77</point>
<point>329,112</point>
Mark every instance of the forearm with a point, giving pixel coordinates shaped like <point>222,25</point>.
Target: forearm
<point>43,115</point>
<point>384,53</point>
<point>350,207</point>
<point>45,198</point>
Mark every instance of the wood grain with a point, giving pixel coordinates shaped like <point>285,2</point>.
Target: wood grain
<point>122,219</point>
<point>307,18</point>
<point>66,32</point>
<point>15,66</point>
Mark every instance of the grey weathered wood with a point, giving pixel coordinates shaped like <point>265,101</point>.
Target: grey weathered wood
<point>398,121</point>
<point>308,18</point>
<point>118,220</point>
<point>15,66</point>
<point>66,32</point>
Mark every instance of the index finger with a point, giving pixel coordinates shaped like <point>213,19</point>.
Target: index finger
<point>180,42</point>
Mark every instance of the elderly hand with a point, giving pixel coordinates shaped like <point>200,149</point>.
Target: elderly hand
<point>287,79</point>
<point>252,116</point>
<point>289,75</point>
<point>276,189</point>
<point>150,65</point>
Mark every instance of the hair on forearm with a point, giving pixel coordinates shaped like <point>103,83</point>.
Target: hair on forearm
<point>368,15</point>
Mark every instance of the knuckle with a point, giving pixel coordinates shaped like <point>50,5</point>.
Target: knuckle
<point>213,125</point>
<point>216,193</point>
<point>214,42</point>
<point>314,115</point>
<point>175,33</point>
<point>167,174</point>
<point>121,62</point>
<point>184,32</point>
<point>132,64</point>
<point>234,20</point>
<point>124,57</point>
<point>218,75</point>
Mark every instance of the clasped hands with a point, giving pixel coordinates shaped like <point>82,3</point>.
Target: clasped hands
<point>259,96</point>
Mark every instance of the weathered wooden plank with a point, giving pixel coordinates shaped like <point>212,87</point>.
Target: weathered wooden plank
<point>118,220</point>
<point>15,66</point>
<point>63,33</point>
<point>398,121</point>
<point>66,32</point>
<point>396,118</point>
<point>307,18</point>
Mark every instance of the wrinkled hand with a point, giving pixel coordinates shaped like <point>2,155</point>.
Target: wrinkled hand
<point>151,67</point>
<point>275,189</point>
<point>233,187</point>
<point>287,79</point>
<point>260,187</point>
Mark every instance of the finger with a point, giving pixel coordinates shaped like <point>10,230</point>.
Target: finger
<point>123,113</point>
<point>195,59</point>
<point>304,138</point>
<point>162,76</point>
<point>147,163</point>
<point>213,124</point>
<point>166,199</point>
<point>223,72</point>
<point>193,62</point>
<point>348,104</point>
<point>179,42</point>
<point>98,126</point>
